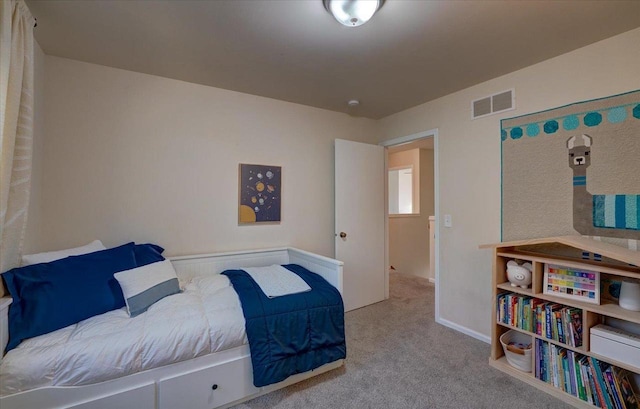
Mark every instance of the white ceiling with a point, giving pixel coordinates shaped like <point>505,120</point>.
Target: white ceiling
<point>411,52</point>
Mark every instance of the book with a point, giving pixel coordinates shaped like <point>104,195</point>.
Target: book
<point>554,365</point>
<point>607,387</point>
<point>547,321</point>
<point>540,327</point>
<point>592,384</point>
<point>527,315</point>
<point>576,325</point>
<point>579,383</point>
<point>585,380</point>
<point>629,397</point>
<point>536,306</point>
<point>546,363</point>
<point>565,385</point>
<point>566,322</point>
<point>596,383</point>
<point>559,326</point>
<point>613,389</point>
<point>573,380</point>
<point>600,384</point>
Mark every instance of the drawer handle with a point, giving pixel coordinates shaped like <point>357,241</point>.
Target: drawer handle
<point>214,387</point>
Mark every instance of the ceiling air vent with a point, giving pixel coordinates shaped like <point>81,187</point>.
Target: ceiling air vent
<point>500,102</point>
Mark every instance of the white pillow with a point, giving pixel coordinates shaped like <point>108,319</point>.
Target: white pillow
<point>28,259</point>
<point>143,286</point>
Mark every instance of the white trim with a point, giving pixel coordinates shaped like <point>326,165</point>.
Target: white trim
<point>432,280</point>
<point>410,138</point>
<point>400,215</point>
<point>436,177</point>
<point>464,330</point>
<point>431,133</point>
<point>401,167</point>
<point>387,263</point>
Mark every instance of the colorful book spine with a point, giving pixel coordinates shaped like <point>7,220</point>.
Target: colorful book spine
<point>592,384</point>
<point>572,373</point>
<point>629,397</point>
<point>582,390</point>
<point>564,358</point>
<point>560,332</point>
<point>553,365</point>
<point>603,395</point>
<point>613,390</point>
<point>538,357</point>
<point>547,321</point>
<point>590,380</point>
<point>546,363</point>
<point>576,325</point>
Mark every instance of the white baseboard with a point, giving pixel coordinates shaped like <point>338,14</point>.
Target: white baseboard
<point>464,330</point>
<point>432,280</point>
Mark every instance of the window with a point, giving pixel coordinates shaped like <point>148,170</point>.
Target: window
<point>401,190</point>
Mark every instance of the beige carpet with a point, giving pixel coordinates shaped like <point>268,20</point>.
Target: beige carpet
<point>398,357</point>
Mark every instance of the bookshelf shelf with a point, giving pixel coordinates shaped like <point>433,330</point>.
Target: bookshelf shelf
<point>527,377</point>
<point>619,364</point>
<point>516,305</point>
<point>606,308</point>
<point>518,290</point>
<point>561,344</point>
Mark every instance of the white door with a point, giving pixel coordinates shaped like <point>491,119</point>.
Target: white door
<point>360,216</point>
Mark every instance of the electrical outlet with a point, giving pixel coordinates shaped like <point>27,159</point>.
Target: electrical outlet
<point>447,220</point>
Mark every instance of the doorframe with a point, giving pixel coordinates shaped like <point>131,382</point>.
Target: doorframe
<point>431,133</point>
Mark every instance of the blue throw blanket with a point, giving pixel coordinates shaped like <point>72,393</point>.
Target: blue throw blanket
<point>293,333</point>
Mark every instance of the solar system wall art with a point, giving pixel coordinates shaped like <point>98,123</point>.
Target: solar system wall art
<point>260,194</point>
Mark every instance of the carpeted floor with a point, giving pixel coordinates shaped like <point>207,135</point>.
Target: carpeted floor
<point>398,357</point>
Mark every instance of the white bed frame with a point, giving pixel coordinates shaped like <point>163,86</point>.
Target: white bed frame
<point>216,380</point>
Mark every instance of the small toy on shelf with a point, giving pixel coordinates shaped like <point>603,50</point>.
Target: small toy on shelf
<point>519,275</point>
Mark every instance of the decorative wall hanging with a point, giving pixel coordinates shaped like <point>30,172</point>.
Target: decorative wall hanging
<point>260,189</point>
<point>574,170</point>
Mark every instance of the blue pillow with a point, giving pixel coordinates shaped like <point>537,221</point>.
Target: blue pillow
<point>50,296</point>
<point>147,254</point>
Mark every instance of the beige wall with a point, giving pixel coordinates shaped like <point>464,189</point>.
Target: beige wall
<point>469,159</point>
<point>131,156</point>
<point>409,234</point>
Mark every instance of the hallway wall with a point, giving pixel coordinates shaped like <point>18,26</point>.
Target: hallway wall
<point>409,234</point>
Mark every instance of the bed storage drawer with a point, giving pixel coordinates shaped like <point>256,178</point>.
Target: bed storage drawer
<point>208,388</point>
<point>142,397</point>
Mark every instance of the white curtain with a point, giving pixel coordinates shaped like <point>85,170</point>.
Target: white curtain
<point>16,126</point>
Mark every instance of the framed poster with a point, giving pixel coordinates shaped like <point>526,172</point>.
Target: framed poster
<point>260,194</point>
<point>567,282</point>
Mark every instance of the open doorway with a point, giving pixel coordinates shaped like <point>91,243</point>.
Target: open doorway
<point>411,247</point>
<point>411,203</point>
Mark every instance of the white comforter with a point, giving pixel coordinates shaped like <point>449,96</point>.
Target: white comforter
<point>206,317</point>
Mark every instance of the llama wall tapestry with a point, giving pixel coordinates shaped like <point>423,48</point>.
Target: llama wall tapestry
<point>574,170</point>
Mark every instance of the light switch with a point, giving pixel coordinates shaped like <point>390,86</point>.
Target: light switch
<point>447,220</point>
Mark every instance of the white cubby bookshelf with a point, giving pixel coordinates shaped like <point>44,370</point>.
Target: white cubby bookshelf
<point>576,252</point>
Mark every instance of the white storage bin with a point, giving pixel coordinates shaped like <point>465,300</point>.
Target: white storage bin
<point>519,358</point>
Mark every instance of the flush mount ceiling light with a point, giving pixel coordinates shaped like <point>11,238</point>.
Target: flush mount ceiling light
<point>352,13</point>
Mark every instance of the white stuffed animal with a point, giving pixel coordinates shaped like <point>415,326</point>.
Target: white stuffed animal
<point>519,275</point>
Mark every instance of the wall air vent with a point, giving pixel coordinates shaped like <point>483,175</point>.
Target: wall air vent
<point>500,102</point>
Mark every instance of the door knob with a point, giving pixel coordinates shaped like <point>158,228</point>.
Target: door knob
<point>343,235</point>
